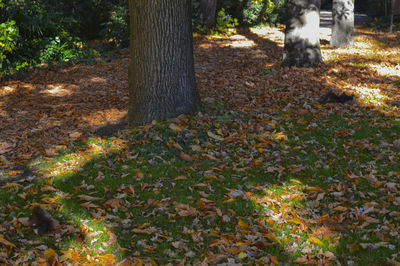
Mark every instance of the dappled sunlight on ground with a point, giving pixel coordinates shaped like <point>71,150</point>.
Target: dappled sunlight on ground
<point>267,172</point>
<point>388,70</point>
<point>55,107</point>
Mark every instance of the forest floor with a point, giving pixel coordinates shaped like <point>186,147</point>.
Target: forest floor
<point>265,173</point>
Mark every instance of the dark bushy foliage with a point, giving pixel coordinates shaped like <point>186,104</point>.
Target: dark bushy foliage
<point>40,31</point>
<point>248,12</point>
<point>116,27</point>
<point>253,12</point>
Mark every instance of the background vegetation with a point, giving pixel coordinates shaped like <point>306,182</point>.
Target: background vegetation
<point>43,32</point>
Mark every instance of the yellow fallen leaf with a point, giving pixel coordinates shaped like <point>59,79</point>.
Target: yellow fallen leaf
<point>106,259</point>
<point>317,189</point>
<point>12,185</point>
<point>214,136</point>
<point>274,260</point>
<point>208,156</point>
<point>273,238</point>
<point>49,188</point>
<point>295,181</point>
<point>180,177</point>
<point>22,195</point>
<point>243,225</point>
<point>5,242</point>
<point>242,255</point>
<point>315,241</point>
<point>295,220</point>
<point>49,253</point>
<point>70,255</point>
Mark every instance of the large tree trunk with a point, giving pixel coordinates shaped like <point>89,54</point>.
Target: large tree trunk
<point>161,74</point>
<point>302,47</point>
<point>208,9</point>
<point>343,23</point>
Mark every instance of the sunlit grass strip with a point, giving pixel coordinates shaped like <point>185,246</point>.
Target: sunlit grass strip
<point>72,162</point>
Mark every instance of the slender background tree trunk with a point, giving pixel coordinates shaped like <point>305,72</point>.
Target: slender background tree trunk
<point>302,47</point>
<point>161,74</point>
<point>208,10</point>
<point>343,23</point>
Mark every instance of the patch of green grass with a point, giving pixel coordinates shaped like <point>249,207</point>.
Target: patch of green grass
<point>263,71</point>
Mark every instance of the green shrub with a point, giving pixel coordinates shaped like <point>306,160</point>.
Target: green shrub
<point>57,50</point>
<point>225,25</point>
<point>116,27</point>
<point>38,31</point>
<point>263,11</point>
<point>8,37</point>
<point>254,12</point>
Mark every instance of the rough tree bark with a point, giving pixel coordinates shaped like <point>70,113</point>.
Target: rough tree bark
<point>161,74</point>
<point>302,47</point>
<point>343,23</point>
<point>208,10</point>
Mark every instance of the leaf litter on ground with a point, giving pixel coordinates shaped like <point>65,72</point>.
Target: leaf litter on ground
<point>264,174</point>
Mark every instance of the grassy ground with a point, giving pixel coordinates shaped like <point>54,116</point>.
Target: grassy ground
<point>264,174</point>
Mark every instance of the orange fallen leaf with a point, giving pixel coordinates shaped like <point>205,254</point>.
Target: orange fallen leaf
<point>186,157</point>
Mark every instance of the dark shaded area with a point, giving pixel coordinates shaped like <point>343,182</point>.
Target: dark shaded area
<point>332,97</point>
<point>109,130</point>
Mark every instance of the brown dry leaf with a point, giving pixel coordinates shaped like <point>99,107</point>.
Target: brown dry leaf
<point>186,157</point>
<point>88,198</point>
<point>89,205</point>
<point>301,260</point>
<point>5,147</point>
<point>75,135</point>
<point>113,203</point>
